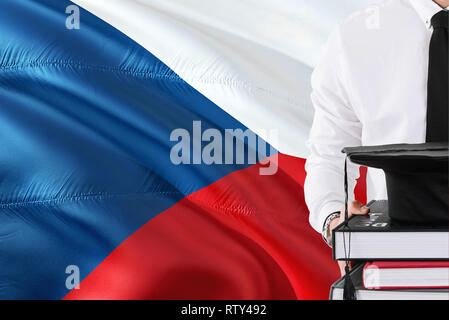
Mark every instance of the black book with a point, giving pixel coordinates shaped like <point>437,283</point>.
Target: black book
<point>376,237</point>
<point>367,294</point>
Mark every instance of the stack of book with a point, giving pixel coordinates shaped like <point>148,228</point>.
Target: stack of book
<point>393,262</point>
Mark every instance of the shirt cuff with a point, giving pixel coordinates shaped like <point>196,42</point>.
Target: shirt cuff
<point>327,209</point>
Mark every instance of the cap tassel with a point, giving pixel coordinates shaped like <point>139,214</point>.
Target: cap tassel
<point>348,289</point>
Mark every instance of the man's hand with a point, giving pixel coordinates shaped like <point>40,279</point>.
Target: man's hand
<point>354,208</point>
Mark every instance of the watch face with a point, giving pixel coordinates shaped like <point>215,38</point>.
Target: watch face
<point>327,233</point>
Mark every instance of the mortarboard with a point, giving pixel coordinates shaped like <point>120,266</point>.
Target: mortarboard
<point>416,177</point>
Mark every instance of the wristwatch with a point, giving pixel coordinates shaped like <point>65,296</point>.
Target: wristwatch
<point>327,234</point>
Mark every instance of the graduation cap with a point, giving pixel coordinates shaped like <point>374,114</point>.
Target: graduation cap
<point>417,186</point>
<point>416,177</point>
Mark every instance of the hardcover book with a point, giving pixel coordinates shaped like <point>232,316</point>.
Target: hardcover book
<point>406,274</point>
<point>376,237</point>
<point>362,293</point>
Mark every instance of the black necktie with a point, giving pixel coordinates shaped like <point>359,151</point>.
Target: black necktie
<point>438,86</point>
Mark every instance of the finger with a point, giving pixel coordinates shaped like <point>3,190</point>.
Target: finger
<point>353,208</point>
<point>362,211</point>
<point>355,205</point>
<point>358,208</point>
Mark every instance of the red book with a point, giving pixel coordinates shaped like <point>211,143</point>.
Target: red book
<point>406,275</point>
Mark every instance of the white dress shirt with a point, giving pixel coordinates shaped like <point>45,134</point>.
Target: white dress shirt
<point>370,88</point>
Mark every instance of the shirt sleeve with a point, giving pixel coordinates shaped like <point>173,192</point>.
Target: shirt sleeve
<point>335,126</point>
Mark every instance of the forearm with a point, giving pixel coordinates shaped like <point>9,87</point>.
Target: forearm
<point>334,127</point>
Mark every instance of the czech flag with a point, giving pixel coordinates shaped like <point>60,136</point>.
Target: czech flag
<point>150,150</point>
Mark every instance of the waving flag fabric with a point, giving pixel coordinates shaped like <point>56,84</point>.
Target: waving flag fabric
<point>86,174</point>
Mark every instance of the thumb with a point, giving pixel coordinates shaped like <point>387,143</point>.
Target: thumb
<point>358,208</point>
